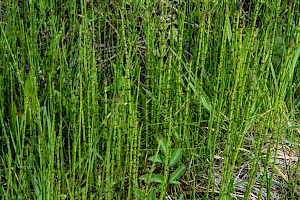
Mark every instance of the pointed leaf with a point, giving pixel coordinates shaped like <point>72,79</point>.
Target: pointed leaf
<point>294,126</point>
<point>159,188</point>
<point>140,194</point>
<point>145,178</point>
<point>157,158</point>
<point>228,197</point>
<point>177,173</point>
<point>175,182</point>
<point>229,32</point>
<point>29,84</point>
<point>176,157</point>
<point>295,57</point>
<point>152,195</point>
<point>203,97</point>
<point>162,146</point>
<point>157,178</point>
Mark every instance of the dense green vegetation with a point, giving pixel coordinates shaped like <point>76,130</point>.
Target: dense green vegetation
<point>145,99</point>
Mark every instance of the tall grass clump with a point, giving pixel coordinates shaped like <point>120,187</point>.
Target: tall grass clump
<point>149,99</point>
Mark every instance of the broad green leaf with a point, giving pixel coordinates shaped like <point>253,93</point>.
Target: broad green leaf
<point>152,194</point>
<point>175,157</point>
<point>34,182</point>
<point>30,92</point>
<point>162,146</point>
<point>295,57</point>
<point>145,178</point>
<point>175,182</point>
<point>157,178</point>
<point>229,32</point>
<point>29,84</point>
<point>140,194</point>
<point>228,197</point>
<point>176,135</point>
<point>177,173</point>
<point>157,158</point>
<point>294,126</point>
<point>203,97</point>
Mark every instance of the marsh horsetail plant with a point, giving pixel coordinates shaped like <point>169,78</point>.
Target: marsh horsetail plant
<point>149,99</point>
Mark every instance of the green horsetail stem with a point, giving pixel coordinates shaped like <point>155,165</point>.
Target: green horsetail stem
<point>96,98</point>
